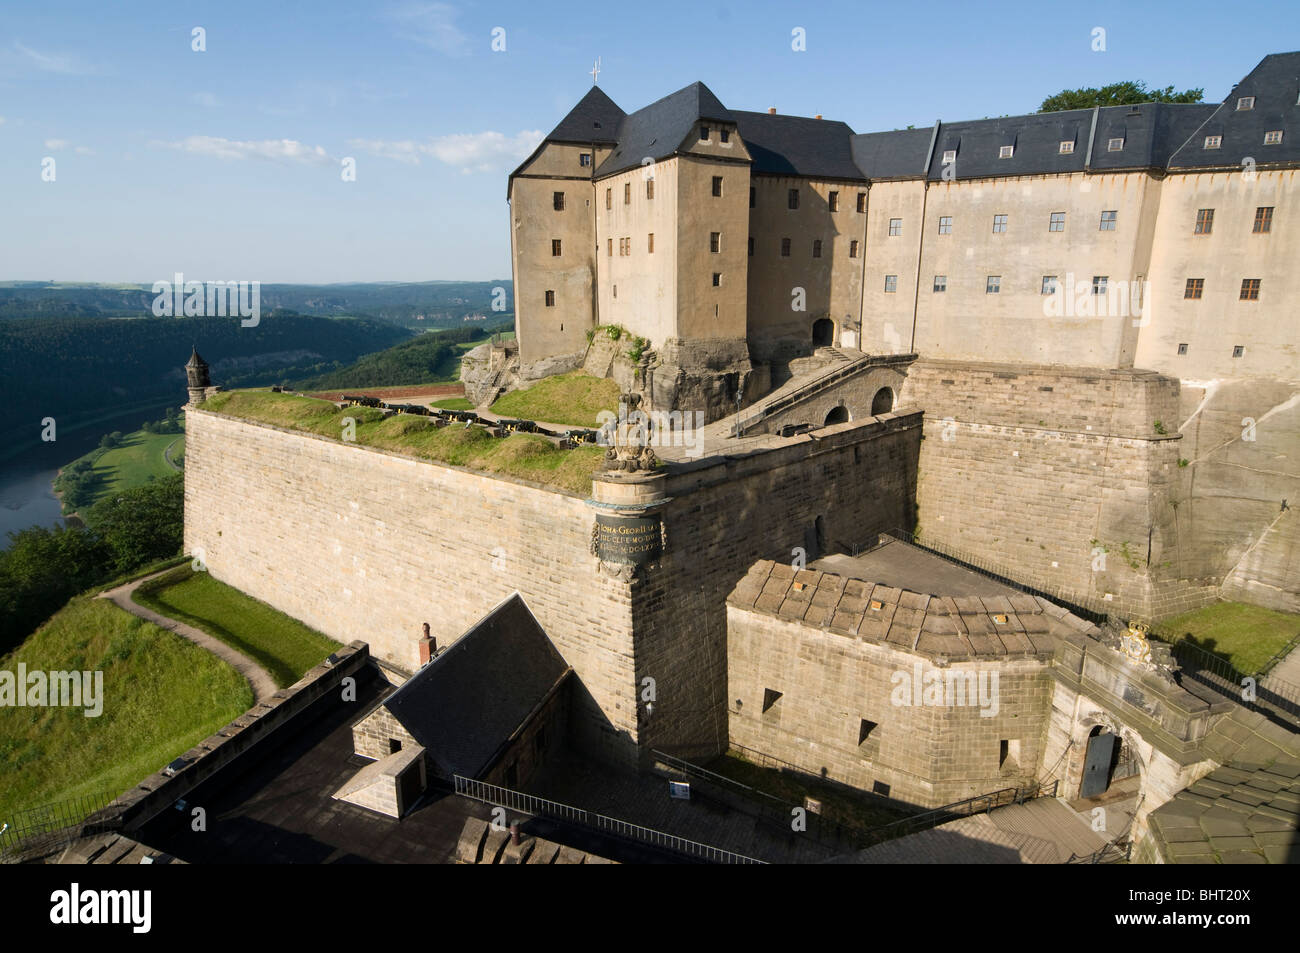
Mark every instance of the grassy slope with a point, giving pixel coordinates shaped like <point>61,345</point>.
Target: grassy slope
<point>132,464</point>
<point>162,695</point>
<point>282,645</point>
<point>573,399</point>
<point>524,456</point>
<point>1245,635</point>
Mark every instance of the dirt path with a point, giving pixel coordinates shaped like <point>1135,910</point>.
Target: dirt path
<point>167,455</point>
<point>262,684</point>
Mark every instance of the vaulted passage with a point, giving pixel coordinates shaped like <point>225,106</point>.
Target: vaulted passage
<point>883,402</point>
<point>823,332</point>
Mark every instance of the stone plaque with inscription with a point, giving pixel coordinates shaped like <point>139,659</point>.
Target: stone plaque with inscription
<point>629,540</point>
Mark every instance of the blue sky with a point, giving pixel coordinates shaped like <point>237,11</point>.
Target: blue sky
<point>226,163</point>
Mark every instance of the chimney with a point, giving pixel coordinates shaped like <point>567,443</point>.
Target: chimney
<point>428,646</point>
<point>771,110</point>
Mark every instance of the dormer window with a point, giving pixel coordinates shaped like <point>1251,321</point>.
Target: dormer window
<point>1115,145</point>
<point>704,133</point>
<point>1245,102</point>
<point>949,156</point>
<point>724,135</point>
<point>1213,142</point>
<point>1005,152</point>
<point>1067,146</point>
<point>1273,138</point>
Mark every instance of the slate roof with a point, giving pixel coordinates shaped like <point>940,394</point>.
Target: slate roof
<point>795,145</point>
<point>961,627</point>
<point>1275,84</point>
<point>475,694</point>
<point>596,118</point>
<point>659,130</point>
<point>891,155</point>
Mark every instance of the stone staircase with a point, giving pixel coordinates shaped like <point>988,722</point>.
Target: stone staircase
<point>836,366</point>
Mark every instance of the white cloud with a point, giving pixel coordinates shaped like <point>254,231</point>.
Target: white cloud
<point>67,63</point>
<point>57,143</point>
<point>431,25</point>
<point>282,150</point>
<point>204,99</point>
<point>469,152</point>
<point>84,151</point>
<point>2,120</point>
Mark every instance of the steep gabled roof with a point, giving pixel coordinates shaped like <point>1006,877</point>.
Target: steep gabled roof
<point>595,119</point>
<point>796,145</point>
<point>1152,132</point>
<point>473,696</point>
<point>1275,84</point>
<point>659,130</point>
<point>891,155</point>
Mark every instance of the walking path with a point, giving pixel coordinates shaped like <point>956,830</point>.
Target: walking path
<point>258,678</point>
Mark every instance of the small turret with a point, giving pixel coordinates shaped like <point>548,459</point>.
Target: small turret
<point>196,374</point>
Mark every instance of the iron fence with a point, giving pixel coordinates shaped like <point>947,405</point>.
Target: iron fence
<point>531,804</point>
<point>42,830</point>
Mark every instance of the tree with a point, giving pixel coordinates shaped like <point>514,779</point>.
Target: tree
<point>143,524</point>
<point>1117,94</point>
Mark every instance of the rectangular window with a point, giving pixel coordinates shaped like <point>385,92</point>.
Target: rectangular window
<point>865,728</point>
<point>555,248</point>
<point>945,224</point>
<point>1182,350</point>
<point>1273,137</point>
<point>616,291</point>
<point>751,196</point>
<point>557,200</point>
<point>650,243</point>
<point>1099,284</point>
<point>1263,219</point>
<point>1194,288</point>
<point>1246,102</point>
<point>770,697</point>
<point>817,247</point>
<point>1249,289</point>
<point>1204,221</point>
<point>627,193</point>
<point>993,285</point>
<point>724,135</point>
<point>717,279</point>
<point>833,200</point>
<point>717,186</point>
<point>1238,350</point>
<point>1049,284</point>
<point>715,242</point>
<point>704,133</point>
<point>1067,147</point>
<point>792,199</point>
<point>862,201</point>
<point>940,283</point>
<point>584,159</point>
<point>1213,142</point>
<point>1057,222</point>
<point>550,299</point>
<point>1005,152</point>
<point>785,248</point>
<point>1115,145</point>
<point>853,248</point>
<point>1108,220</point>
<point>895,227</point>
<point>999,223</point>
<point>609,198</point>
<point>649,188</point>
<point>609,248</point>
<point>891,284</point>
<point>751,246</point>
<point>949,156</point>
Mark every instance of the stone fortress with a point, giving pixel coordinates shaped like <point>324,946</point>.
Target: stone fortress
<point>1056,346</point>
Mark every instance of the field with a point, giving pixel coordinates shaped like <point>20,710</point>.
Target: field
<point>523,456</point>
<point>140,457</point>
<point>161,696</point>
<point>1245,635</point>
<point>574,399</point>
<point>282,645</point>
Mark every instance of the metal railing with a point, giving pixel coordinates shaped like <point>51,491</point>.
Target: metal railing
<point>980,804</point>
<point>39,831</point>
<point>1111,853</point>
<point>811,388</point>
<point>530,804</point>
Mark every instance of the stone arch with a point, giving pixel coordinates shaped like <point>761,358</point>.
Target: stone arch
<point>837,415</point>
<point>883,402</point>
<point>823,332</point>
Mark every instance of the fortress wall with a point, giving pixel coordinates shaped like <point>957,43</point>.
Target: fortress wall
<point>928,755</point>
<point>858,478</point>
<point>1031,469</point>
<point>363,544</point>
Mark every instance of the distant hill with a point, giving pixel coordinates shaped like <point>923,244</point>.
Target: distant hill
<point>427,359</point>
<point>441,304</point>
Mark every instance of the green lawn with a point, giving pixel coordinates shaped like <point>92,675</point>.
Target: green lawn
<point>282,645</point>
<point>524,456</point>
<point>454,403</point>
<point>573,398</point>
<point>140,457</point>
<point>161,696</point>
<point>1247,636</point>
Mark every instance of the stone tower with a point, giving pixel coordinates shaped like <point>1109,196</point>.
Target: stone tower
<point>196,373</point>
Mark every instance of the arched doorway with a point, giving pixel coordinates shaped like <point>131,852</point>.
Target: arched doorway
<point>883,402</point>
<point>823,332</point>
<point>838,415</point>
